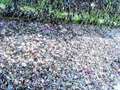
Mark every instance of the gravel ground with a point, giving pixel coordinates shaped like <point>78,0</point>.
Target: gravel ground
<point>34,56</point>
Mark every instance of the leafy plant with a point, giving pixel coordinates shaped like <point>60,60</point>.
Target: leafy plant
<point>5,1</point>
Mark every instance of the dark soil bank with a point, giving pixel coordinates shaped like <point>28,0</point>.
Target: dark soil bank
<point>34,56</point>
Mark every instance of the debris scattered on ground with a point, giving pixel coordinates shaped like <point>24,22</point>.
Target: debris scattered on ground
<point>35,56</point>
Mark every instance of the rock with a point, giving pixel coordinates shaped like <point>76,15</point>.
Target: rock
<point>117,87</point>
<point>116,64</point>
<point>23,64</point>
<point>10,85</point>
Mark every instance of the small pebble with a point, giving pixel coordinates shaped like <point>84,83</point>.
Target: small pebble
<point>24,64</point>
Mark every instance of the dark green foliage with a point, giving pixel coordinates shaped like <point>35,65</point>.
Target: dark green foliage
<point>77,11</point>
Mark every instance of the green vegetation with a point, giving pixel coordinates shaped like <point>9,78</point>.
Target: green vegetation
<point>95,17</point>
<point>101,18</point>
<point>5,2</point>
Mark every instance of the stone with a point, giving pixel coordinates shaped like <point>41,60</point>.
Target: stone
<point>24,64</point>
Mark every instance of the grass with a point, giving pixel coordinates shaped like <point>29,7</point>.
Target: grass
<point>2,6</point>
<point>28,9</point>
<point>5,2</point>
<point>101,18</point>
<point>96,17</point>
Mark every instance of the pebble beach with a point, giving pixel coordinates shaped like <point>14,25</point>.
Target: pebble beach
<point>35,56</point>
